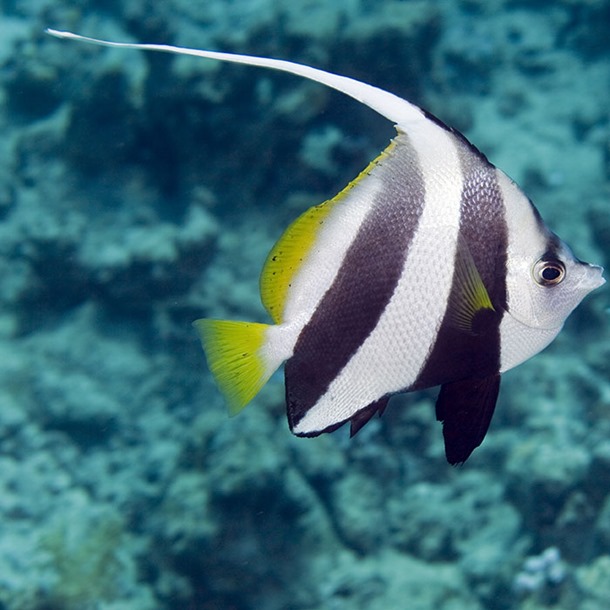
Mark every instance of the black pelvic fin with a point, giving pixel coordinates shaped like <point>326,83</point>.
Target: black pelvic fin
<point>465,407</point>
<point>360,419</point>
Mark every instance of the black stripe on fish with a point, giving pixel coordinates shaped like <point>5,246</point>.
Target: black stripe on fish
<point>460,354</point>
<point>367,278</point>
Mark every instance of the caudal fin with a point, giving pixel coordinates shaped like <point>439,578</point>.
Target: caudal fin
<point>234,355</point>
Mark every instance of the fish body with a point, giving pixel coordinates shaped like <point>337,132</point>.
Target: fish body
<point>430,268</point>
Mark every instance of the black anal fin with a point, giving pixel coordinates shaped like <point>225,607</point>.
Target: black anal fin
<point>360,419</point>
<point>465,407</point>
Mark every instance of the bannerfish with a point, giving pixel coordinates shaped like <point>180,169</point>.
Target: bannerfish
<point>431,268</point>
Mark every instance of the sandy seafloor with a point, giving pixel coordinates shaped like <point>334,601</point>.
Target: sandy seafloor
<point>140,192</point>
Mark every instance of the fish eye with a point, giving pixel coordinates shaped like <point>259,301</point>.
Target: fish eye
<point>549,272</point>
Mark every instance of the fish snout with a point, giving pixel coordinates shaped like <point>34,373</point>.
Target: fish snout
<point>592,278</point>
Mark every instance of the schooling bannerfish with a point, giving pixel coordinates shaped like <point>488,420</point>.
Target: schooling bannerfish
<point>430,268</point>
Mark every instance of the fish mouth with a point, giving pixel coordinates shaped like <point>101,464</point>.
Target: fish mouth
<point>592,278</point>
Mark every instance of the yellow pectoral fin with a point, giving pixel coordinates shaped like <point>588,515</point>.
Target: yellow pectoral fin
<point>233,352</point>
<point>470,295</point>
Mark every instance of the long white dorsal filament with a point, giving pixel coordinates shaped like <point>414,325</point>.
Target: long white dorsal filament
<point>394,108</point>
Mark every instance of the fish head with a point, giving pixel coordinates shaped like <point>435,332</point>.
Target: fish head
<point>544,280</point>
<point>544,287</point>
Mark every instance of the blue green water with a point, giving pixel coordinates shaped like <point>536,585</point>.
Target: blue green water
<point>140,192</point>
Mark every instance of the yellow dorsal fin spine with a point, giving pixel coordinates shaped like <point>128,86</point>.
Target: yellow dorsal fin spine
<point>287,256</point>
<point>293,247</point>
<point>234,354</point>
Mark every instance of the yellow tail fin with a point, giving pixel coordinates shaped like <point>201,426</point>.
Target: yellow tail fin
<point>233,352</point>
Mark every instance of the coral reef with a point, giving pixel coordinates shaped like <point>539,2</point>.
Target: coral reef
<point>140,192</point>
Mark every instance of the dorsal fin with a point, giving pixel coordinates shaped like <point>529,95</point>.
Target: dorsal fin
<point>287,256</point>
<point>292,248</point>
<point>402,113</point>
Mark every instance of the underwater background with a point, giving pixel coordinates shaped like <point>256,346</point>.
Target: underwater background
<point>139,192</point>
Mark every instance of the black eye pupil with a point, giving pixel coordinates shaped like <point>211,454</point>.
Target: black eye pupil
<point>550,273</point>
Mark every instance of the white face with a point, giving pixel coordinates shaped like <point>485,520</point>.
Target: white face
<point>544,281</point>
<point>543,290</point>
